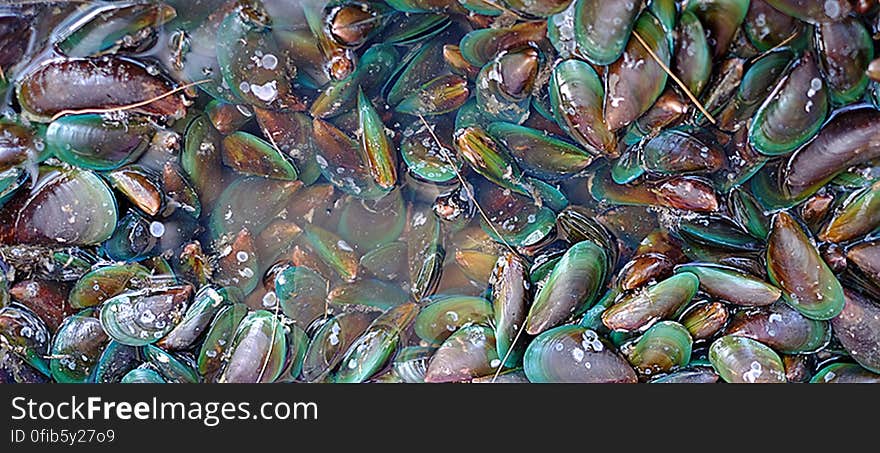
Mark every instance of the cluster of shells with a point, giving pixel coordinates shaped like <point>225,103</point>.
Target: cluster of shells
<point>440,191</point>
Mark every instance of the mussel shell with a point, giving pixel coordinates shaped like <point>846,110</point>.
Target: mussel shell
<point>721,18</point>
<point>850,138</point>
<point>644,307</point>
<point>661,349</point>
<point>766,27</point>
<point>214,350</point>
<point>731,285</point>
<point>442,315</point>
<point>602,28</point>
<point>116,361</point>
<point>540,154</point>
<point>105,282</point>
<point>856,327</point>
<point>25,334</point>
<point>845,50</point>
<point>367,294</point>
<point>92,142</point>
<point>88,83</point>
<point>207,302</point>
<point>812,11</point>
<point>576,94</point>
<point>331,341</point>
<point>775,128</point>
<point>741,360</point>
<point>844,373</point>
<point>69,207</point>
<point>704,320</point>
<point>251,62</point>
<point>301,292</point>
<point>369,353</point>
<point>510,297</point>
<point>138,318</point>
<point>574,354</point>
<point>570,289</point>
<point>469,353</point>
<point>794,264</point>
<point>636,80</point>
<point>858,216</point>
<point>173,368</point>
<point>257,351</point>
<point>782,328</point>
<point>251,155</point>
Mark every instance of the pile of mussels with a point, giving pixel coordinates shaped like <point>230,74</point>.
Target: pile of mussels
<point>440,191</point>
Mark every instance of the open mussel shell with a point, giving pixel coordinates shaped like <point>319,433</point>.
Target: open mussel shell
<point>661,349</point>
<point>856,327</point>
<point>642,308</point>
<point>115,362</point>
<point>142,317</point>
<point>794,264</point>
<point>442,315</point>
<point>69,207</point>
<point>782,328</point>
<point>469,353</point>
<point>732,285</point>
<point>574,354</point>
<point>257,351</point>
<point>570,289</point>
<point>741,360</point>
<point>25,334</point>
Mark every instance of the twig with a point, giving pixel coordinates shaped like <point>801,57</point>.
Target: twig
<point>675,78</point>
<point>130,106</point>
